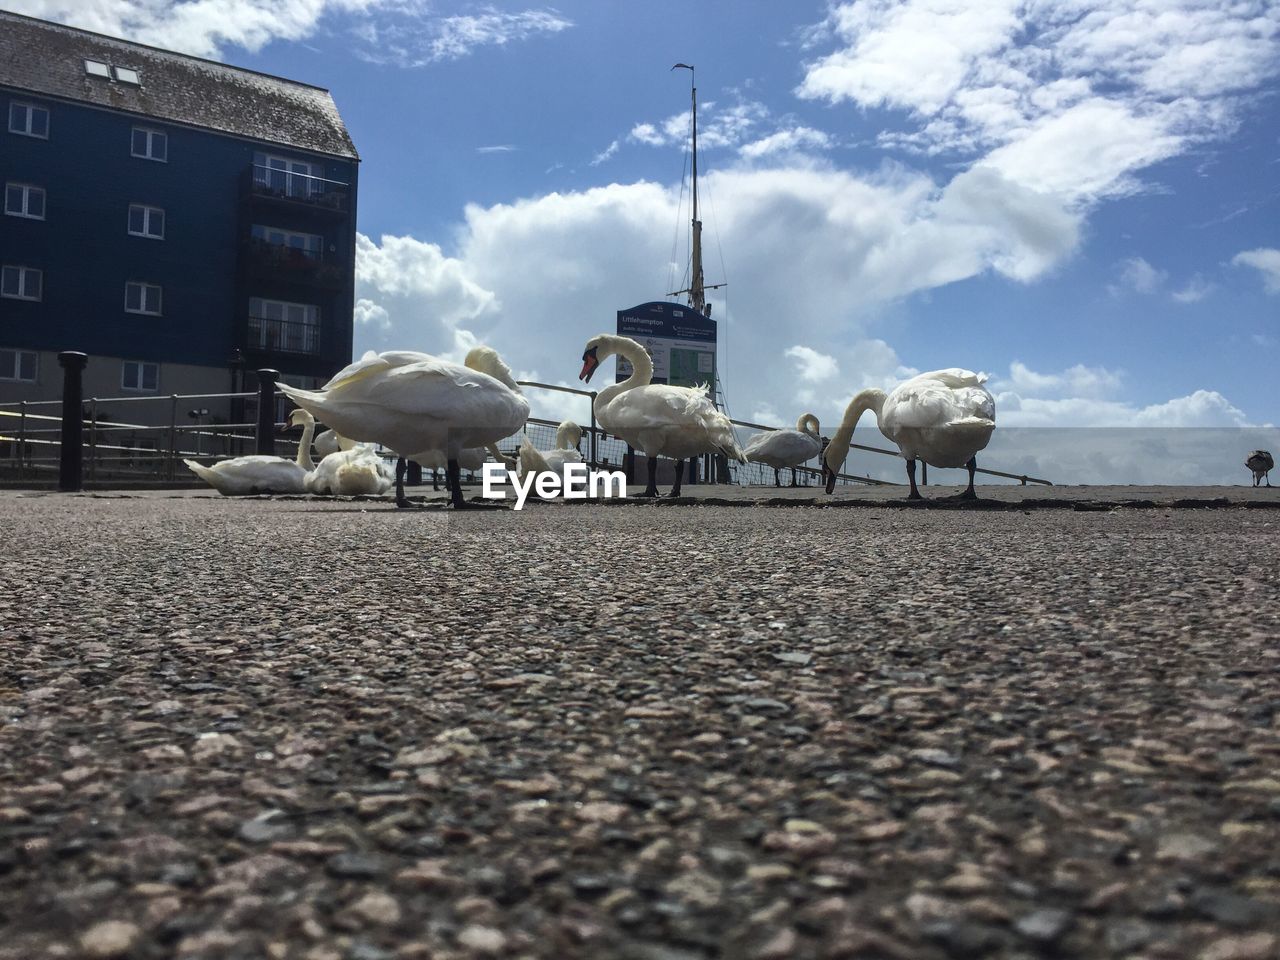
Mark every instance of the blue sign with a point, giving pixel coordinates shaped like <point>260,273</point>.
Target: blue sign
<point>681,342</point>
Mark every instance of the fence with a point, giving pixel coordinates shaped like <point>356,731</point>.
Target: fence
<point>39,438</point>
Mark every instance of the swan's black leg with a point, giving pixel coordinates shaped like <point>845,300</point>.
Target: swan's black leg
<point>401,499</point>
<point>453,480</point>
<point>675,489</point>
<point>793,477</point>
<point>435,479</point>
<point>911,475</point>
<point>970,493</point>
<point>777,482</point>
<point>652,489</point>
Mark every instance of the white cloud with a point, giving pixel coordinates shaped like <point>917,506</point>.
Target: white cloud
<point>1193,291</point>
<point>1078,380</point>
<point>1138,275</point>
<point>1266,260</point>
<point>811,365</point>
<point>605,154</point>
<point>403,32</point>
<point>1072,98</point>
<point>497,148</point>
<point>368,313</point>
<point>786,141</point>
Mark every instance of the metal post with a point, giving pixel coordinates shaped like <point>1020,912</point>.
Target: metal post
<point>170,470</point>
<point>267,410</point>
<point>594,449</point>
<point>69,473</point>
<point>22,439</point>
<point>93,439</point>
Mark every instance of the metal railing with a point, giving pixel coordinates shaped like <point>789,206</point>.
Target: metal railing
<point>283,336</point>
<point>121,448</point>
<point>263,180</point>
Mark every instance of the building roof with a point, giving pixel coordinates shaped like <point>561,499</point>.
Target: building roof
<point>48,59</point>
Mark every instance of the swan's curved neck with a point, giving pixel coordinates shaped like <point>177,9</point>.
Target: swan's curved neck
<point>808,423</point>
<point>304,445</point>
<point>641,366</point>
<point>567,435</point>
<point>862,401</point>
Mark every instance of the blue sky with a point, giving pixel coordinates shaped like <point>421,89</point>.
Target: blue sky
<point>1081,199</point>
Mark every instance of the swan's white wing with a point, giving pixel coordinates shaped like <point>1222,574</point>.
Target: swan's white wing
<point>673,421</point>
<point>374,362</point>
<point>938,398</point>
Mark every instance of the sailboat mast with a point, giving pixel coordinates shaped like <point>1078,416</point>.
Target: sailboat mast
<point>697,290</point>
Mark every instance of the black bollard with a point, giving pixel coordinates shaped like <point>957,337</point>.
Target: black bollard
<point>73,364</point>
<point>267,411</point>
<point>415,474</point>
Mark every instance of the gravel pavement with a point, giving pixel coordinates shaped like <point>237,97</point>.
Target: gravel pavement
<point>336,731</point>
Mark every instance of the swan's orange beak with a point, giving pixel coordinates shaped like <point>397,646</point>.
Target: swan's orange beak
<point>589,364</point>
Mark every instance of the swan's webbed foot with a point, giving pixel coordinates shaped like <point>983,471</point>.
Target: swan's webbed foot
<point>911,475</point>
<point>404,503</point>
<point>649,492</point>
<point>675,489</point>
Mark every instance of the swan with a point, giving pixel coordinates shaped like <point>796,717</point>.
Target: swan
<point>568,436</point>
<point>351,472</point>
<point>943,418</point>
<point>656,418</point>
<point>786,448</point>
<point>409,401</point>
<point>471,458</point>
<point>260,473</point>
<point>327,442</point>
<point>1260,463</point>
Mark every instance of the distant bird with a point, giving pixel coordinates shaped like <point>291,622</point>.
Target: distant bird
<point>1260,463</point>
<point>568,436</point>
<point>656,418</point>
<point>786,448</point>
<point>411,402</point>
<point>943,418</point>
<point>261,473</point>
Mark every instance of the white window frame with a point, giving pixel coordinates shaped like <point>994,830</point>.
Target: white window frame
<point>96,68</point>
<point>24,282</point>
<point>149,214</point>
<point>149,151</point>
<point>126,75</point>
<point>143,297</point>
<point>139,368</point>
<point>28,189</point>
<point>265,233</point>
<point>14,374</point>
<point>28,128</point>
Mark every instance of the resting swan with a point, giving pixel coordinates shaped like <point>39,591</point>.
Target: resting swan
<point>327,443</point>
<point>943,418</point>
<point>260,473</point>
<point>1261,463</point>
<point>786,448</point>
<point>472,458</point>
<point>656,418</point>
<point>410,402</point>
<point>568,436</point>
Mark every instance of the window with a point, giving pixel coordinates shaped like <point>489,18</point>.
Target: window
<point>150,144</point>
<point>96,68</point>
<point>24,200</point>
<point>29,120</point>
<point>18,365</point>
<point>21,283</point>
<point>136,375</point>
<point>142,297</point>
<point>306,244</point>
<point>126,75</point>
<point>288,327</point>
<point>146,221</point>
<point>290,178</point>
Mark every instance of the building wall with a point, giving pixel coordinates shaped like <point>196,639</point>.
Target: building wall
<point>86,253</point>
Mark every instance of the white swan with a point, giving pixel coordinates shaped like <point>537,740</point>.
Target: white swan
<point>656,418</point>
<point>260,473</point>
<point>1261,463</point>
<point>353,472</point>
<point>471,458</point>
<point>786,448</point>
<point>943,418</point>
<point>327,442</point>
<point>411,402</point>
<point>568,436</point>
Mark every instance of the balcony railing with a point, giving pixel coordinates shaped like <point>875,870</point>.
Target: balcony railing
<point>277,262</point>
<point>283,336</point>
<point>300,188</point>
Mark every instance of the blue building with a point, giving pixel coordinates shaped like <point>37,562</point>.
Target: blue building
<point>181,221</point>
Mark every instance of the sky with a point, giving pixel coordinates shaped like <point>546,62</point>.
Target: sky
<point>1080,199</point>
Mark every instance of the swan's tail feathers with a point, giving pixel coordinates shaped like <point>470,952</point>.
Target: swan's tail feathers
<point>733,451</point>
<point>204,473</point>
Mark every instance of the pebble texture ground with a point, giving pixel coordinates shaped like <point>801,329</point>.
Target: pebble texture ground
<point>335,731</point>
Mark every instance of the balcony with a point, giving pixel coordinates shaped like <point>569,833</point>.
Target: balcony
<point>276,262</point>
<point>296,191</point>
<point>283,336</point>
